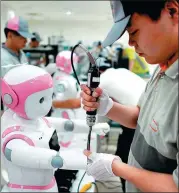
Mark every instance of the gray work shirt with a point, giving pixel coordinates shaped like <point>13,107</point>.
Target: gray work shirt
<point>9,58</point>
<point>155,146</point>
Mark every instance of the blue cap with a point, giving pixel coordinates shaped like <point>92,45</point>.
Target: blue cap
<point>120,23</point>
<point>19,25</point>
<point>37,36</point>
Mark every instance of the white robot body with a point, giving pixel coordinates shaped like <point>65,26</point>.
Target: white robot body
<point>29,162</point>
<point>29,141</point>
<point>29,151</point>
<point>122,85</point>
<point>66,87</point>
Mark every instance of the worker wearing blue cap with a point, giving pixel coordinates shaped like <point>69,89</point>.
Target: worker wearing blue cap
<point>35,41</point>
<point>16,31</point>
<point>153,162</point>
<point>37,59</point>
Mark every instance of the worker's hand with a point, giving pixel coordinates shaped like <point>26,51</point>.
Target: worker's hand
<point>101,128</point>
<point>99,100</point>
<point>100,165</point>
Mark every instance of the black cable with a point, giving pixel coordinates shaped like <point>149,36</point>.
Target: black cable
<point>78,190</point>
<point>73,64</point>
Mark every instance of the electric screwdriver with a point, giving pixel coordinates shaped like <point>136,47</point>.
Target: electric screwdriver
<point>92,83</point>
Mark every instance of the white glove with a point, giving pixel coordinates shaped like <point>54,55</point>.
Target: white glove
<point>105,104</point>
<point>100,166</point>
<point>101,128</point>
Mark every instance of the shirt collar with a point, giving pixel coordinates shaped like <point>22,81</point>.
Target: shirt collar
<point>11,51</point>
<point>172,71</point>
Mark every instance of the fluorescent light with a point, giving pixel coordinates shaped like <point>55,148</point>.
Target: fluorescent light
<point>10,14</point>
<point>68,13</point>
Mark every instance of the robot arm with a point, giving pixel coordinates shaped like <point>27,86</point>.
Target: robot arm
<point>77,126</point>
<point>20,153</point>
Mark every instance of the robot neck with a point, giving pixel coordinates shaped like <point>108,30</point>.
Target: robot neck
<point>32,124</point>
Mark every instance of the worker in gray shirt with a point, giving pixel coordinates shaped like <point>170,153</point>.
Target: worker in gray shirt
<point>16,31</point>
<point>35,58</point>
<point>153,162</point>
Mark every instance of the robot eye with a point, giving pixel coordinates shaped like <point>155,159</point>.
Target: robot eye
<point>41,100</point>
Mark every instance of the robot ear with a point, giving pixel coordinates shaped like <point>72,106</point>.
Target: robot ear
<point>9,97</point>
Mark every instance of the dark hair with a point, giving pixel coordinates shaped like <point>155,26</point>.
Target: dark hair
<point>151,8</point>
<point>33,39</point>
<point>6,31</point>
<point>99,43</point>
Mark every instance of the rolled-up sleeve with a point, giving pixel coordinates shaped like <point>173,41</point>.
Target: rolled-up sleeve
<point>142,95</point>
<point>140,100</point>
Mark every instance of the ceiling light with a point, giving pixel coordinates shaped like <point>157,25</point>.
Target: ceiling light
<point>10,14</point>
<point>34,14</point>
<point>68,13</point>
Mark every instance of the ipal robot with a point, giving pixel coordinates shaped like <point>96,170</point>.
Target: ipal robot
<point>66,87</point>
<point>29,141</point>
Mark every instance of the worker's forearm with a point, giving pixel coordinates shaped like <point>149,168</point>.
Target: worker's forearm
<point>144,180</point>
<point>125,115</point>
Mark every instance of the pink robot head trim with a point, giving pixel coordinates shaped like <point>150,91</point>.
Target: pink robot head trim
<point>14,96</point>
<point>9,97</point>
<point>63,61</point>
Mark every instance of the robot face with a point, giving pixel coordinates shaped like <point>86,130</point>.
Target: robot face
<point>38,104</point>
<point>66,88</point>
<point>60,88</point>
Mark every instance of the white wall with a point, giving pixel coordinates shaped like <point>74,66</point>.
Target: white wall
<point>4,11</point>
<point>87,31</point>
<point>73,31</point>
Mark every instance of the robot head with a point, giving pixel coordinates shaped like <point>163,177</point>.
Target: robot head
<point>27,90</point>
<point>63,61</point>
